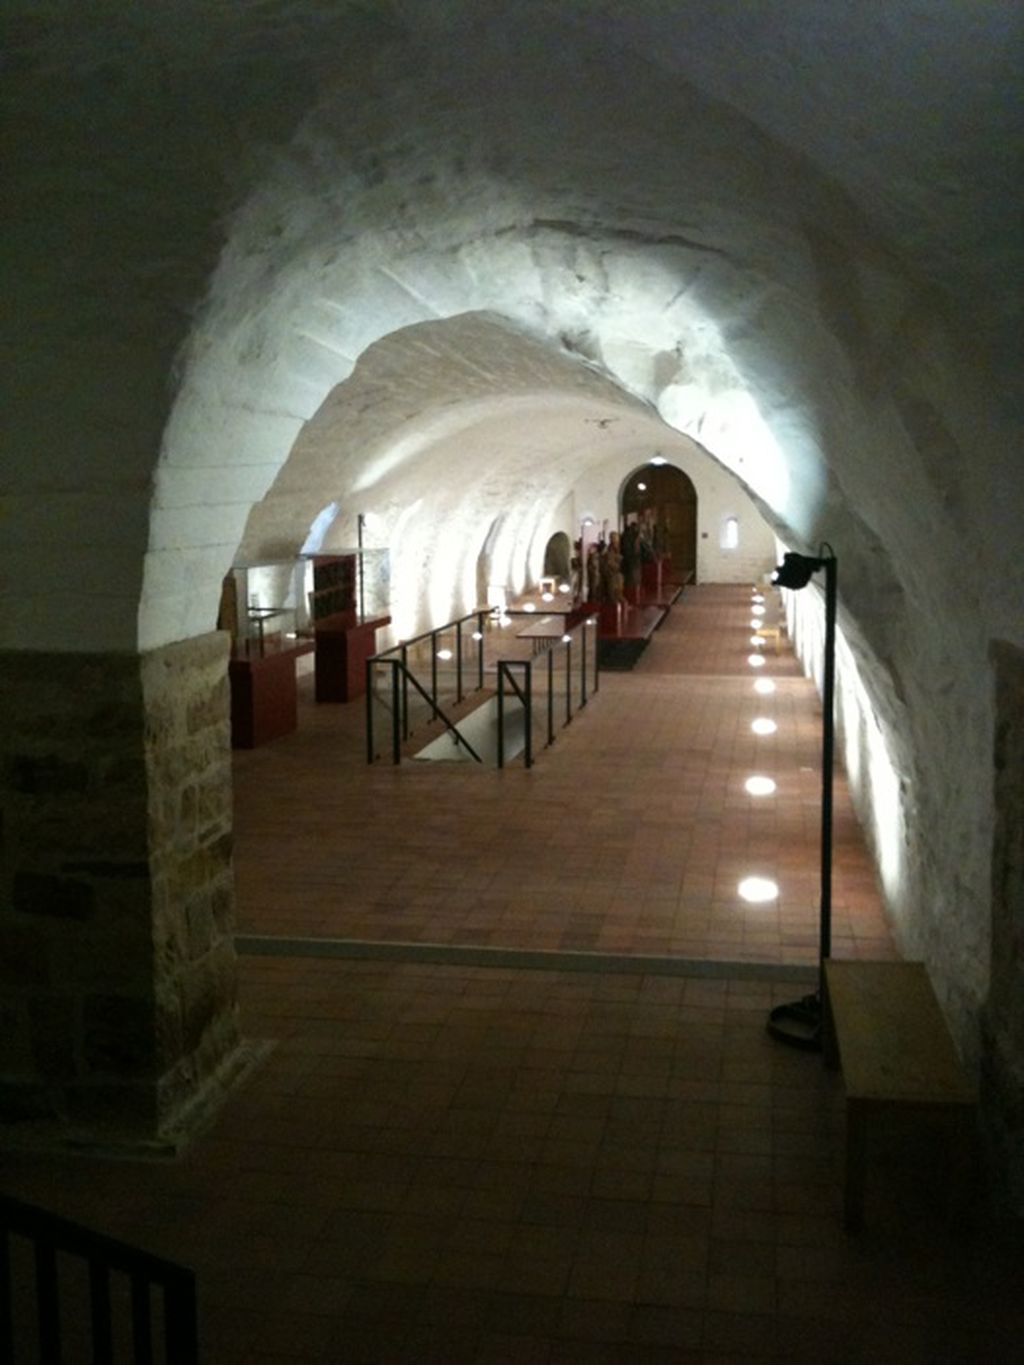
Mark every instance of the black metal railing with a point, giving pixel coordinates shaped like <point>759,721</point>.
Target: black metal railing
<point>399,703</point>
<point>52,1239</point>
<point>525,695</point>
<point>401,679</point>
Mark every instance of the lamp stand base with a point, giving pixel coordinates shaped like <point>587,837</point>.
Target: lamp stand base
<point>798,1023</point>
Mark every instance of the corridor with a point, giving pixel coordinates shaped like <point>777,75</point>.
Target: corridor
<point>554,1160</point>
<point>630,834</point>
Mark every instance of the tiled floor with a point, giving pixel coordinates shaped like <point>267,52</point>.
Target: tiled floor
<point>452,1163</point>
<point>439,1165</point>
<point>629,835</point>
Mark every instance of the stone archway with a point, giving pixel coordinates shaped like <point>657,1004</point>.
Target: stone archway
<point>558,557</point>
<point>669,493</point>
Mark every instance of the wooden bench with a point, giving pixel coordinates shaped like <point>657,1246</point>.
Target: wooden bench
<point>771,631</point>
<point>884,1028</point>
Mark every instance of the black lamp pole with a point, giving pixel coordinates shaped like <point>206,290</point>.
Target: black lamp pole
<point>799,1023</point>
<point>360,523</point>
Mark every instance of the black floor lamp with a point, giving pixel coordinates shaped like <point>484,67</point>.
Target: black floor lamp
<point>799,1022</point>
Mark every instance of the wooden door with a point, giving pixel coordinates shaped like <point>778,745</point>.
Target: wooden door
<point>673,499</point>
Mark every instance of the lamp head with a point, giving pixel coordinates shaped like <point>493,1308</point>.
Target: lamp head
<point>795,570</point>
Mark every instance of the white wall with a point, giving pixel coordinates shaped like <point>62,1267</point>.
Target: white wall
<point>719,495</point>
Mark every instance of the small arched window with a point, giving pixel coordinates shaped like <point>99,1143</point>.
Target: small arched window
<point>730,533</point>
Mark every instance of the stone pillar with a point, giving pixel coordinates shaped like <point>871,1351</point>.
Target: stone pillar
<point>1002,1069</point>
<point>118,1014</point>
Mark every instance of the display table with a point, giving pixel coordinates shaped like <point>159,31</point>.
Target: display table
<point>264,697</point>
<point>342,649</point>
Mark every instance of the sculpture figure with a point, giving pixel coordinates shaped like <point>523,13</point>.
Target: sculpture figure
<point>612,571</point>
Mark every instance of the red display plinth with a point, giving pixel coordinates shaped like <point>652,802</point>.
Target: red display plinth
<point>342,650</point>
<point>654,575</point>
<point>264,698</point>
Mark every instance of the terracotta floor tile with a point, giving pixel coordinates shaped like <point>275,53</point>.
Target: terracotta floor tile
<point>334,866</point>
<point>449,1161</point>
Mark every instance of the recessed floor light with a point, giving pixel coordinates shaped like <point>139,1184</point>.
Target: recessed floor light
<point>566,639</point>
<point>757,609</point>
<point>757,642</point>
<point>759,786</point>
<point>763,726</point>
<point>764,685</point>
<point>758,890</point>
<point>755,660</point>
<point>477,635</point>
<point>444,654</point>
<point>529,606</point>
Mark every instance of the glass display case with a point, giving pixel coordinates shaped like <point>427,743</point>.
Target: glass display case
<point>268,630</point>
<point>262,606</point>
<point>351,585</point>
<point>348,602</point>
<point>272,606</point>
<point>328,605</point>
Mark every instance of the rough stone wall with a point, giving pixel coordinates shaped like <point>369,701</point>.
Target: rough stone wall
<point>116,963</point>
<point>1003,1023</point>
<point>188,767</point>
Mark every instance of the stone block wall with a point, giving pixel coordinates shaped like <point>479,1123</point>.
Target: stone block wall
<point>1002,1075</point>
<point>117,977</point>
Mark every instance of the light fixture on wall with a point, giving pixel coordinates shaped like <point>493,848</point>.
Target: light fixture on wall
<point>799,1022</point>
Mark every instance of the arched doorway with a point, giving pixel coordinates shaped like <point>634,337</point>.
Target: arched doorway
<point>558,557</point>
<point>667,492</point>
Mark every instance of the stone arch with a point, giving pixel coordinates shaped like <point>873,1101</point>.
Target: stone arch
<point>670,494</point>
<point>749,354</point>
<point>558,556</point>
<point>670,246</point>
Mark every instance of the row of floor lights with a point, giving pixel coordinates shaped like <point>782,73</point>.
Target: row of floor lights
<point>759,890</point>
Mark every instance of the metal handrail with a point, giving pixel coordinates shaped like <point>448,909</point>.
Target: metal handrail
<point>51,1234</point>
<point>397,658</point>
<point>399,706</point>
<point>526,698</point>
<point>438,713</point>
<point>480,615</point>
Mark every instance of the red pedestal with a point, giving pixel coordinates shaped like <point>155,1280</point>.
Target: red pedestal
<point>342,650</point>
<point>652,576</point>
<point>264,698</point>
